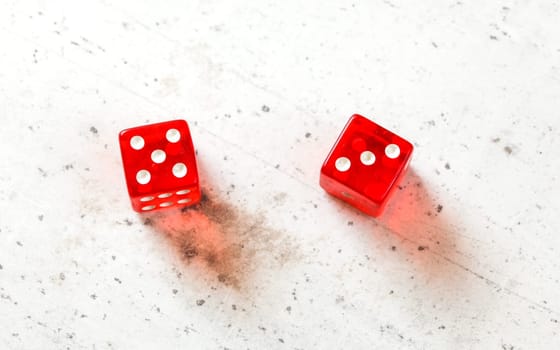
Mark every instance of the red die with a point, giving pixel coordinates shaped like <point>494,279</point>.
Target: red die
<point>160,165</point>
<point>365,165</point>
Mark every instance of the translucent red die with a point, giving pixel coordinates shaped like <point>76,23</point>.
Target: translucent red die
<point>160,165</point>
<point>365,165</point>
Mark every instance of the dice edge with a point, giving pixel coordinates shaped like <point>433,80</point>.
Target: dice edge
<point>130,189</point>
<point>376,210</point>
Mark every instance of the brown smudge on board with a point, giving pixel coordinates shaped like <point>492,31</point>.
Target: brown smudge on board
<point>228,242</point>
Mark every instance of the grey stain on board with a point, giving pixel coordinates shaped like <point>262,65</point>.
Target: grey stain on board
<point>226,241</point>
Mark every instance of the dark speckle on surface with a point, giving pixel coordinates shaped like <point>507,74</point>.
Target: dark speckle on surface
<point>190,251</point>
<point>200,302</point>
<point>117,280</point>
<point>393,248</point>
<point>40,217</point>
<point>148,222</point>
<point>307,135</point>
<point>439,208</point>
<point>508,150</point>
<point>43,173</point>
<point>447,166</point>
<point>175,291</point>
<point>421,247</point>
<point>281,340</point>
<point>93,130</point>
<point>265,108</point>
<point>350,223</point>
<point>1,267</point>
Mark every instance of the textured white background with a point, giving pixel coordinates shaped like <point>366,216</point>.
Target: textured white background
<point>466,257</point>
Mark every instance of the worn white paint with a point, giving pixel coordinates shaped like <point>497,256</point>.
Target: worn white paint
<point>467,255</point>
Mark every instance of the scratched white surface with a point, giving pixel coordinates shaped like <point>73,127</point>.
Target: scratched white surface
<point>466,257</point>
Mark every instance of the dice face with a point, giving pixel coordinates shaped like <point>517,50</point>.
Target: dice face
<point>365,165</point>
<point>160,165</point>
